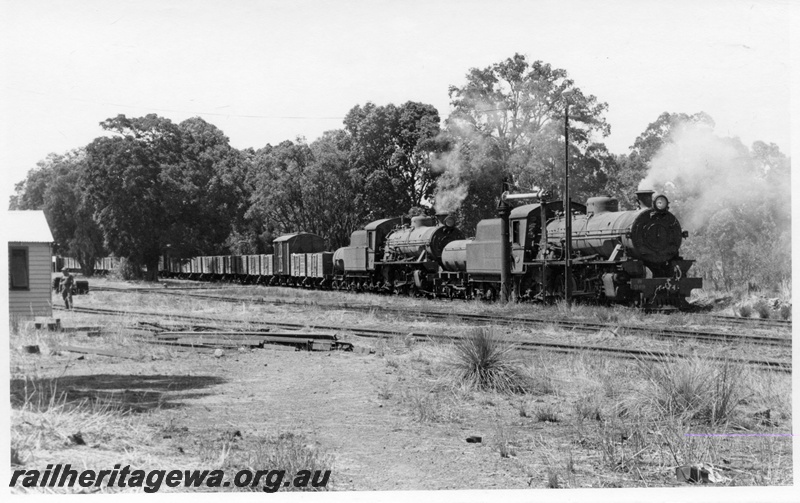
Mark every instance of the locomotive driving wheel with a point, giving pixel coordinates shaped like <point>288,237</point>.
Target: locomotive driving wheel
<point>557,286</point>
<point>527,288</point>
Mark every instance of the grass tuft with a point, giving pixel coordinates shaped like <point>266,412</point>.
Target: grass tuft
<point>503,443</point>
<point>546,414</point>
<point>430,406</point>
<point>486,363</point>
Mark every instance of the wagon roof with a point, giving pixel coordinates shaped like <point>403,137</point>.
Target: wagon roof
<point>27,227</point>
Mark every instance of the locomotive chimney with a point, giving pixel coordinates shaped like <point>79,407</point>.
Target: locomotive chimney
<point>645,198</point>
<point>445,219</point>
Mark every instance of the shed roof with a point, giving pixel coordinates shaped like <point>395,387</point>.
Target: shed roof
<point>27,227</point>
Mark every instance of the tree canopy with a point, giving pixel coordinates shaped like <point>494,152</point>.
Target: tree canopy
<point>55,187</point>
<point>508,124</point>
<point>392,146</point>
<point>160,187</point>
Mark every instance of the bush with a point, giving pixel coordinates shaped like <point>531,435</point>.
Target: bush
<point>484,362</point>
<point>695,389</point>
<point>127,270</point>
<point>762,308</point>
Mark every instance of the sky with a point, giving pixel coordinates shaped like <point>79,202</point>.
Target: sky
<point>268,71</point>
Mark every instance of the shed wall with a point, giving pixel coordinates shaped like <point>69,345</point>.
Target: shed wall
<point>37,299</point>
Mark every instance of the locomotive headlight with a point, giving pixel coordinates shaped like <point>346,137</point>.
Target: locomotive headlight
<point>661,203</point>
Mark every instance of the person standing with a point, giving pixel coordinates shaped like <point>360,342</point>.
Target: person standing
<point>66,287</point>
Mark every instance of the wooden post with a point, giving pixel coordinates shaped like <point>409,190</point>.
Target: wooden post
<point>503,211</point>
<point>567,211</point>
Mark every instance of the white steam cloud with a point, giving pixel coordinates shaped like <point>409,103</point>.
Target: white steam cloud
<point>453,186</point>
<point>704,173</point>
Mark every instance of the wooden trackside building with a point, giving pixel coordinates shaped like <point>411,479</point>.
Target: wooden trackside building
<point>29,264</point>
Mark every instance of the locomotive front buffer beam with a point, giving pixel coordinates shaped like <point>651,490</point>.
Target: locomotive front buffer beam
<point>651,288</point>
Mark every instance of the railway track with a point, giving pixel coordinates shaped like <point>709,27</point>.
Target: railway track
<point>368,332</point>
<point>572,325</point>
<point>753,322</point>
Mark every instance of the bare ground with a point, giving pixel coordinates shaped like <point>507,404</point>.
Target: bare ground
<point>396,419</point>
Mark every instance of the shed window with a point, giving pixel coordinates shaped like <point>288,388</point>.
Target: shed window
<point>18,269</point>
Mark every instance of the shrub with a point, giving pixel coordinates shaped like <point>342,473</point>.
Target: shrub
<point>127,270</point>
<point>484,362</point>
<point>762,308</point>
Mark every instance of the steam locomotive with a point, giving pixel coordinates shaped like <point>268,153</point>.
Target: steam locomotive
<point>630,257</point>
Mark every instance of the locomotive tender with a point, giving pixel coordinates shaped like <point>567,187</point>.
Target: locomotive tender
<point>627,257</point>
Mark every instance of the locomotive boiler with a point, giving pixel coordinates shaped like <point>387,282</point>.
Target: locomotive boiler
<point>650,234</point>
<point>421,242</point>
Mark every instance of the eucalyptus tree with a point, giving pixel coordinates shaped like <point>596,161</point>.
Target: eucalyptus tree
<point>158,187</point>
<point>508,123</point>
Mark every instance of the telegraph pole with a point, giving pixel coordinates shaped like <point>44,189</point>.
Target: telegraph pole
<point>503,211</point>
<point>567,209</point>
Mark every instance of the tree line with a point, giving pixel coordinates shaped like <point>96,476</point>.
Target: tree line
<point>150,187</point>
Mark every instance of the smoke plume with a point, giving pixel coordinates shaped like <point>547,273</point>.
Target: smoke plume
<point>704,173</point>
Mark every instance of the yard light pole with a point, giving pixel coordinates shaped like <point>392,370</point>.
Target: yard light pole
<point>503,211</point>
<point>567,207</point>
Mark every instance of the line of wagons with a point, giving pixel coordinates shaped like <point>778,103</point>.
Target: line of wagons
<point>299,260</point>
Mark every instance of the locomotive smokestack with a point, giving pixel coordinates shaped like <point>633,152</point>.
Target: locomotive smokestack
<point>445,219</point>
<point>645,198</point>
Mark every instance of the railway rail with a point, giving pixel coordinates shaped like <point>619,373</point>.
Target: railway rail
<point>367,332</point>
<point>762,322</point>
<point>573,325</point>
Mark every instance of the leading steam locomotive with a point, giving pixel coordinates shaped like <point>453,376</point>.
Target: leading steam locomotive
<point>630,257</point>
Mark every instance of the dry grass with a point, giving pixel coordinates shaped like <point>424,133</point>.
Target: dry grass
<point>503,442</point>
<point>432,405</point>
<point>694,389</point>
<point>287,452</point>
<point>44,423</point>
